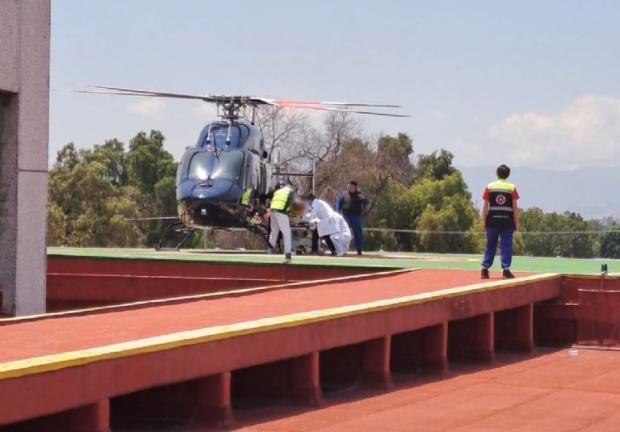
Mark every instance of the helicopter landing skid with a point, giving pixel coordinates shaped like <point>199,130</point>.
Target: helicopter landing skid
<point>175,228</point>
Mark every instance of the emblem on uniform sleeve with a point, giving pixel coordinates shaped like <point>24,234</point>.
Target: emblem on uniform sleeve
<point>500,199</point>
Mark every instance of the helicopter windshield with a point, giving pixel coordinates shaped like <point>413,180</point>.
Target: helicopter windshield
<point>226,165</point>
<point>217,133</point>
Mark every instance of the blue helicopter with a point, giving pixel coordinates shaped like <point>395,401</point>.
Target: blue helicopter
<point>226,178</point>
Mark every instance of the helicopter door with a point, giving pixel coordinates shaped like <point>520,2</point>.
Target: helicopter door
<point>250,174</point>
<point>263,185</point>
<point>255,173</point>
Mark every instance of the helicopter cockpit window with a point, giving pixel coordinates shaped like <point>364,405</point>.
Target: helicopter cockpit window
<point>225,165</point>
<point>239,134</point>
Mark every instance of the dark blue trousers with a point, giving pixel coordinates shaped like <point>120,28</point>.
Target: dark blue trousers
<point>505,238</point>
<point>355,223</point>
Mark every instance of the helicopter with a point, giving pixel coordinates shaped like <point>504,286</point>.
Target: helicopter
<point>226,178</point>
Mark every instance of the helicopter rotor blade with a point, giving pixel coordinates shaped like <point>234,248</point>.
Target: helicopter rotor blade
<point>336,109</point>
<point>244,100</point>
<point>287,102</point>
<point>123,91</point>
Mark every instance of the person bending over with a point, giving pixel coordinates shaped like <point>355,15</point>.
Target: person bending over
<point>331,226</point>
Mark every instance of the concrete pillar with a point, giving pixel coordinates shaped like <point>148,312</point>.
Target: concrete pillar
<point>196,403</point>
<point>90,418</point>
<point>472,338</point>
<point>94,417</point>
<point>213,401</point>
<point>514,329</point>
<point>24,106</point>
<point>435,353</point>
<point>305,379</point>
<point>423,350</point>
<point>376,362</point>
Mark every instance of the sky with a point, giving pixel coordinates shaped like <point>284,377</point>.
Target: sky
<point>532,84</point>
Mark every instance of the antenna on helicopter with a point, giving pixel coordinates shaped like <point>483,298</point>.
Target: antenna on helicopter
<point>209,136</point>
<point>228,135</point>
<point>230,107</point>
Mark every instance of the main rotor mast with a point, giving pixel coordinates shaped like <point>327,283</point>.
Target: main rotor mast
<point>231,108</point>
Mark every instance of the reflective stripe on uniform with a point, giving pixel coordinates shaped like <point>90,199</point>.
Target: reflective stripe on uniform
<point>500,186</point>
<point>501,208</point>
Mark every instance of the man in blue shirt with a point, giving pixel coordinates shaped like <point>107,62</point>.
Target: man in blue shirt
<point>353,204</point>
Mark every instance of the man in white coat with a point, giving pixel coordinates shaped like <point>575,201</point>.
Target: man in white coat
<point>330,225</point>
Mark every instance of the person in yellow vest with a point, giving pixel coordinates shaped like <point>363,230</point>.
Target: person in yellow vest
<point>247,197</point>
<point>500,219</point>
<point>279,220</point>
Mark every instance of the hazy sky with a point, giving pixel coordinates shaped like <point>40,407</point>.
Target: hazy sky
<point>531,83</point>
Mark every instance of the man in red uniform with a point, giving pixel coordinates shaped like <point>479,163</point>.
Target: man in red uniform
<point>500,218</point>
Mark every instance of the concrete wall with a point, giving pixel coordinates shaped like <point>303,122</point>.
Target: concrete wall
<point>24,122</point>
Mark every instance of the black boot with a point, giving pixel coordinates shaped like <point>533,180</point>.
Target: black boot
<point>507,274</point>
<point>484,273</point>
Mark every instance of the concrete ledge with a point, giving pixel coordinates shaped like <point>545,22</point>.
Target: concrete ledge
<point>196,297</point>
<point>59,361</point>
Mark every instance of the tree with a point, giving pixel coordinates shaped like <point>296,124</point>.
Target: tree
<point>610,241</point>
<point>555,236</point>
<point>94,192</point>
<point>323,146</point>
<point>86,207</point>
<point>533,219</point>
<point>56,222</point>
<point>165,201</point>
<point>112,155</point>
<point>437,165</point>
<point>356,161</point>
<point>394,157</point>
<point>443,205</point>
<point>149,162</point>
<point>152,171</point>
<point>339,128</point>
<point>285,132</point>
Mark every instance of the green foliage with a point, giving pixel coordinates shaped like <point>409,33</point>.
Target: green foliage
<point>112,156</point>
<point>93,193</point>
<point>551,242</point>
<point>437,200</point>
<point>610,241</point>
<point>436,165</point>
<point>56,222</point>
<point>148,162</point>
<point>443,205</point>
<point>394,157</point>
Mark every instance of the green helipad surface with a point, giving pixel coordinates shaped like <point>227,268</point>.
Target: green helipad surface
<point>371,260</point>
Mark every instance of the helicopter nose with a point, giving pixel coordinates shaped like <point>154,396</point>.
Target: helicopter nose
<point>218,189</point>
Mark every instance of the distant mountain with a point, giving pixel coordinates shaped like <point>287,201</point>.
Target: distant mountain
<point>594,193</point>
